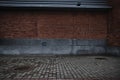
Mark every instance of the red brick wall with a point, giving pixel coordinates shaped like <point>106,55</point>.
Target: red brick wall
<point>114,21</point>
<point>52,24</point>
<point>55,25</point>
<point>90,25</point>
<point>17,25</point>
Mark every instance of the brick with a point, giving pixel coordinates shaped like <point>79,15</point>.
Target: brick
<point>46,24</point>
<point>114,28</point>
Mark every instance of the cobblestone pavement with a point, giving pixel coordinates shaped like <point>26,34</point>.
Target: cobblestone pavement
<point>52,67</point>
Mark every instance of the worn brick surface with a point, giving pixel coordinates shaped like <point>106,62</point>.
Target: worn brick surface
<point>62,24</point>
<point>52,24</point>
<point>114,21</point>
<point>17,24</point>
<point>41,67</point>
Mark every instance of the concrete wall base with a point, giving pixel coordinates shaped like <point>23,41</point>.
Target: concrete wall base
<point>56,46</point>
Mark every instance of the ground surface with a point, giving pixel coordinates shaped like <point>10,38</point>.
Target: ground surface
<point>41,67</point>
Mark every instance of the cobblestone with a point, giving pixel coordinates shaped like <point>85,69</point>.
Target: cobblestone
<point>52,67</point>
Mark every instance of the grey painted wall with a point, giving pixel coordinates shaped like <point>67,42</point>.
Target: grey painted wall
<point>56,46</point>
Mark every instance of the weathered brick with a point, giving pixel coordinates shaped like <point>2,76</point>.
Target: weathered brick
<point>62,24</point>
<point>114,21</point>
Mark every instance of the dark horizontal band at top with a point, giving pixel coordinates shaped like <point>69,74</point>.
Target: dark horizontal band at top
<point>56,4</point>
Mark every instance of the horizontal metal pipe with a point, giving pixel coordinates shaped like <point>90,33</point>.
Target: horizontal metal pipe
<point>55,3</point>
